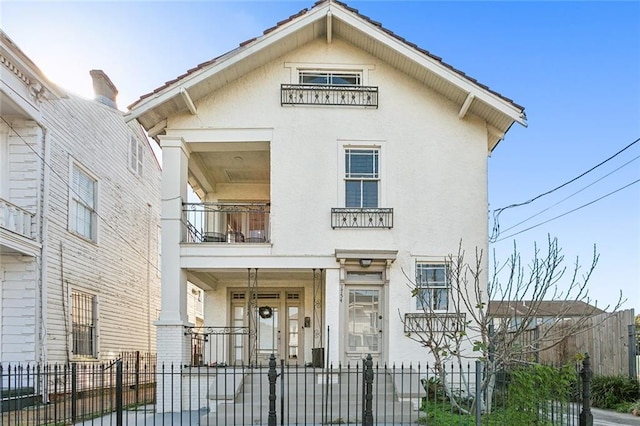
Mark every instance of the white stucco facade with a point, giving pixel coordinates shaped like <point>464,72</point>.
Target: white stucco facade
<point>60,285</point>
<point>229,130</point>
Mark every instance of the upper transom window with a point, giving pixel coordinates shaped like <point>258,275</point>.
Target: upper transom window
<point>331,78</point>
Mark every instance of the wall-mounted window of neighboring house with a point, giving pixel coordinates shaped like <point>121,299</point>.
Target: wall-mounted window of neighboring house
<point>83,324</point>
<point>330,78</point>
<point>136,157</point>
<point>362,177</point>
<point>82,207</point>
<point>432,286</point>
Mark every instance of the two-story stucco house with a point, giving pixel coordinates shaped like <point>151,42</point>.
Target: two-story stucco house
<point>333,159</point>
<point>79,221</point>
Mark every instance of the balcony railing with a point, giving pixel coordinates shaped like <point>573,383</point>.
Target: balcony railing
<point>423,322</point>
<point>217,346</point>
<point>16,219</point>
<point>227,222</point>
<point>343,95</point>
<point>361,218</point>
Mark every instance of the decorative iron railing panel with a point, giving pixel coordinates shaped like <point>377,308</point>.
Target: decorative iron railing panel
<point>227,222</point>
<point>422,322</point>
<point>361,218</point>
<point>218,346</point>
<point>342,95</point>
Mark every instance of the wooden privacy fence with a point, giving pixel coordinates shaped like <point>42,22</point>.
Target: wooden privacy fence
<point>605,337</point>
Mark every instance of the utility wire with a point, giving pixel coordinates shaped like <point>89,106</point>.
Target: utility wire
<point>64,181</point>
<point>570,211</point>
<point>575,193</point>
<point>496,213</point>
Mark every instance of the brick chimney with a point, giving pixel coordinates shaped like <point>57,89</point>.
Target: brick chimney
<point>103,88</point>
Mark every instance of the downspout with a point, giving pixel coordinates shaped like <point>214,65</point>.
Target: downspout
<point>44,209</point>
<point>149,278</point>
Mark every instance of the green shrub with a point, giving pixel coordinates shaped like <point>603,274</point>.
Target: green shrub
<point>612,391</point>
<point>532,387</point>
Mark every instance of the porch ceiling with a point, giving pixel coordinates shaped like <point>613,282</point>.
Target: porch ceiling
<point>209,279</point>
<point>211,168</point>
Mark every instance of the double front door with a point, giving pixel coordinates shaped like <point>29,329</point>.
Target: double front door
<point>277,322</point>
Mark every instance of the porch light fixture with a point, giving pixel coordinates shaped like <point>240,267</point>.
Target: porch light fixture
<point>365,263</point>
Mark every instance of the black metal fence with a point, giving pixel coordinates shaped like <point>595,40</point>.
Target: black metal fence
<point>131,392</point>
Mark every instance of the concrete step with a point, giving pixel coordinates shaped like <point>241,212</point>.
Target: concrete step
<point>309,398</point>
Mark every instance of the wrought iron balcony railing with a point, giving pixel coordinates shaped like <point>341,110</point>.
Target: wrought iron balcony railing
<point>16,219</point>
<point>212,346</point>
<point>317,94</point>
<point>361,218</point>
<point>227,222</point>
<point>423,322</point>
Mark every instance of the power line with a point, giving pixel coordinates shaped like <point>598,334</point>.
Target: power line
<point>570,196</point>
<point>570,211</point>
<point>496,213</point>
<point>64,181</point>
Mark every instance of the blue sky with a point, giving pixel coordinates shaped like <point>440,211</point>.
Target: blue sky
<point>574,66</point>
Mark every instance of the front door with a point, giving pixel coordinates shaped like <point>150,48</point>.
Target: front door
<point>364,323</point>
<point>277,322</point>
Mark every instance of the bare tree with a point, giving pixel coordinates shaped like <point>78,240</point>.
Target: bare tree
<point>467,331</point>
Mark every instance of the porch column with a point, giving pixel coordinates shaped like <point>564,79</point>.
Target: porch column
<point>334,310</point>
<point>173,347</point>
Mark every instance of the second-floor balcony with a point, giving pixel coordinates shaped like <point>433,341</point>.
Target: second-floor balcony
<point>227,222</point>
<point>321,94</point>
<point>16,219</point>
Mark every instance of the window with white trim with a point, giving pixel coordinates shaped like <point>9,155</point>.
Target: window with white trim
<point>83,324</point>
<point>82,206</point>
<point>432,286</point>
<point>362,177</point>
<point>331,78</point>
<point>136,157</point>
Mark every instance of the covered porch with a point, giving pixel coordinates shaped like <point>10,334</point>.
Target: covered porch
<point>251,313</point>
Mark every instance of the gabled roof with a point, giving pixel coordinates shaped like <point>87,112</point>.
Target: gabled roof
<point>326,19</point>
<point>541,308</point>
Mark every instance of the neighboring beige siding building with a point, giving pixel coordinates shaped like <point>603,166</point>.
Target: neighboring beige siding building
<point>79,221</point>
<point>333,159</point>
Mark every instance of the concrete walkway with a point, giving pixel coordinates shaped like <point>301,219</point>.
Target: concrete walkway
<point>193,418</point>
<point>611,418</point>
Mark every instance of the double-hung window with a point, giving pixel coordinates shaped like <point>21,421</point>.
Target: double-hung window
<point>362,177</point>
<point>135,156</point>
<point>83,218</point>
<point>83,324</point>
<point>432,286</point>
